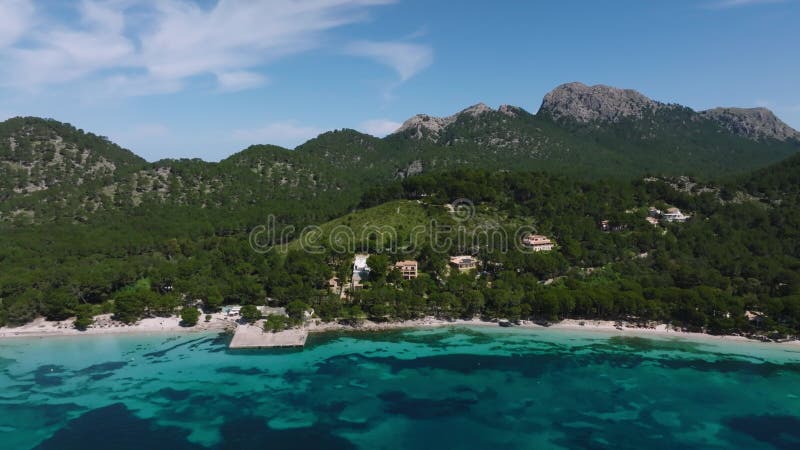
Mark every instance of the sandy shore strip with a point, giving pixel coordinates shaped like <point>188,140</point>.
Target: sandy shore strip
<point>220,322</point>
<point>605,326</point>
<point>104,325</point>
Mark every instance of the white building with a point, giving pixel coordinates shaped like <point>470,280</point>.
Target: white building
<point>674,215</point>
<point>360,270</point>
<point>537,243</point>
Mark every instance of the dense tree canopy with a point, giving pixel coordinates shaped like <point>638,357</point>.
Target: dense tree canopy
<point>738,252</point>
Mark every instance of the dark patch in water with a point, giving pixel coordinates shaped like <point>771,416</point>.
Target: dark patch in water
<point>115,427</point>
<point>235,370</point>
<point>100,376</point>
<point>161,353</point>
<point>47,415</point>
<point>220,342</point>
<point>48,375</point>
<point>528,365</point>
<point>728,365</point>
<point>252,433</point>
<point>397,402</point>
<point>292,377</point>
<point>587,432</point>
<point>173,394</point>
<point>778,431</point>
<point>195,345</point>
<point>102,368</point>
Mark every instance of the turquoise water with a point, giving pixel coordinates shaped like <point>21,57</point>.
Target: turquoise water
<point>449,388</point>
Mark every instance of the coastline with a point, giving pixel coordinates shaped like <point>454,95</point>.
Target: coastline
<point>41,328</point>
<point>607,327</point>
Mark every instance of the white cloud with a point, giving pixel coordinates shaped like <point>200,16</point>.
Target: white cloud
<point>160,45</point>
<point>241,80</point>
<point>726,4</point>
<point>405,58</point>
<point>379,127</point>
<point>15,18</point>
<point>286,133</point>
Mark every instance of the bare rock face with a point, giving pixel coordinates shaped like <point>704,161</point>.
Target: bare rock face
<point>509,110</point>
<point>584,104</point>
<point>416,167</point>
<point>752,123</point>
<point>423,125</point>
<point>475,110</point>
<point>600,104</point>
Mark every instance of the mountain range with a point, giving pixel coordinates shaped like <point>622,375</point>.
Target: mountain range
<point>50,169</point>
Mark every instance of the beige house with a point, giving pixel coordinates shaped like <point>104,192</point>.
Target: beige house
<point>407,268</point>
<point>463,263</point>
<point>537,243</point>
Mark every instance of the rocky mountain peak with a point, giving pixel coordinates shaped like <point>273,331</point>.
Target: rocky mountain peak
<point>753,123</point>
<point>423,125</point>
<point>583,104</point>
<point>509,110</point>
<point>476,110</point>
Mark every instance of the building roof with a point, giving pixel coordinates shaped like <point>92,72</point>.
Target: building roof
<point>409,262</point>
<point>461,259</point>
<point>360,262</point>
<point>536,239</point>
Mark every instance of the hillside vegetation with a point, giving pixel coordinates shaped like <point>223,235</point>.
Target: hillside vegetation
<point>87,227</point>
<point>52,171</point>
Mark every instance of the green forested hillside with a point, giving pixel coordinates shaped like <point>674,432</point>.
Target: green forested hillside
<point>731,257</point>
<point>52,171</point>
<point>86,226</point>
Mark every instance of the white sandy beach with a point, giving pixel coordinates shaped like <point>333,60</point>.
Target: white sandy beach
<point>220,322</point>
<point>104,325</point>
<point>605,326</point>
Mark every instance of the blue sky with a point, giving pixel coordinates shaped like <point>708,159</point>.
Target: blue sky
<point>207,78</point>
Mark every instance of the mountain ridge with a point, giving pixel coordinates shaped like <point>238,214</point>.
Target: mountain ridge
<point>582,104</point>
<point>63,171</point>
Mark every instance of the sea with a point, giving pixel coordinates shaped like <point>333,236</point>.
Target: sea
<point>438,388</point>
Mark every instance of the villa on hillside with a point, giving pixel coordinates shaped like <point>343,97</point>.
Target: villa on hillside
<point>674,215</point>
<point>407,268</point>
<point>360,271</point>
<point>537,243</point>
<point>670,215</point>
<point>463,263</point>
<point>652,221</point>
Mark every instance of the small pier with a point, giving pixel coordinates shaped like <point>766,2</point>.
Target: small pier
<point>254,336</point>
